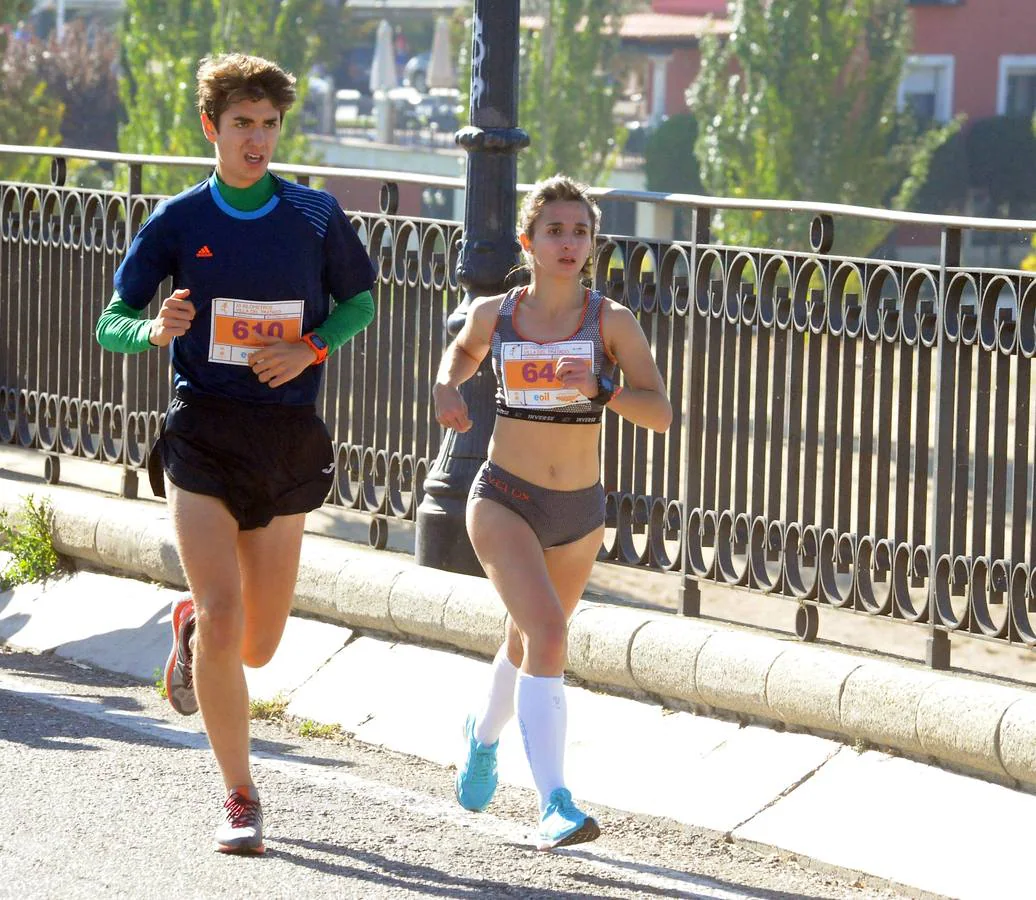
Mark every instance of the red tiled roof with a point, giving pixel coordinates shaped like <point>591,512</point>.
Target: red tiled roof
<point>650,26</point>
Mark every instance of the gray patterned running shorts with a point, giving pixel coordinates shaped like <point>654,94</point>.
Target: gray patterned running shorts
<point>556,517</point>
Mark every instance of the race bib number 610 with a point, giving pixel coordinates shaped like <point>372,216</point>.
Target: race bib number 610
<point>238,327</point>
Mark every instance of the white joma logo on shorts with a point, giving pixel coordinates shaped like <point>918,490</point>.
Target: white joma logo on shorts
<point>329,469</point>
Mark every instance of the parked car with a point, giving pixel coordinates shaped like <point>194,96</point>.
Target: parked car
<point>415,73</point>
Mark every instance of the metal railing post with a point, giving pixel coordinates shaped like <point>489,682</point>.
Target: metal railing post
<point>689,592</point>
<point>129,483</point>
<point>937,651</point>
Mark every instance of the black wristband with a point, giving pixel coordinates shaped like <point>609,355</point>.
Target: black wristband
<point>606,389</point>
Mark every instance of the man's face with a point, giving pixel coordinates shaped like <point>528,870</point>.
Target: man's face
<point>245,140</point>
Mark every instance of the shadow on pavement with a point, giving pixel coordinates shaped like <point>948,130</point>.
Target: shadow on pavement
<point>715,884</point>
<point>428,880</point>
<point>415,879</point>
<point>129,721</point>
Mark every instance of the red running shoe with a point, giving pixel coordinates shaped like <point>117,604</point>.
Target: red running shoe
<point>179,676</point>
<point>241,831</point>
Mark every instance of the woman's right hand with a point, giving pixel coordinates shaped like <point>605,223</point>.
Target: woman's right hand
<point>173,319</point>
<point>450,409</point>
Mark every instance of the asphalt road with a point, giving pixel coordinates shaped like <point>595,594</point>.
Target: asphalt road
<point>106,793</point>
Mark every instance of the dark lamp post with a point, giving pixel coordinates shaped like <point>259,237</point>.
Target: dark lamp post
<point>489,250</point>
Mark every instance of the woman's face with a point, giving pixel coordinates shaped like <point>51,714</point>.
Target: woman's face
<point>562,239</point>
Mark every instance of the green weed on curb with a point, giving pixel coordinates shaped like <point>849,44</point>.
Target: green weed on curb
<point>309,728</point>
<point>276,710</point>
<point>269,710</point>
<point>159,677</point>
<point>30,544</point>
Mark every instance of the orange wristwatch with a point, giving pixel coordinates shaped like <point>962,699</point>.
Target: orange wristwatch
<point>318,345</point>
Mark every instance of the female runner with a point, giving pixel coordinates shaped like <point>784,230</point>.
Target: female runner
<point>535,514</point>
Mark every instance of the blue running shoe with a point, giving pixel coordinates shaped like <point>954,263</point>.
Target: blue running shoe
<point>476,775</point>
<point>563,823</point>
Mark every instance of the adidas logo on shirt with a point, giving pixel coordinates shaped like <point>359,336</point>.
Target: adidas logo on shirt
<point>204,252</point>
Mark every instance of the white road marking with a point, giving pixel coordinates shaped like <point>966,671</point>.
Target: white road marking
<point>673,882</point>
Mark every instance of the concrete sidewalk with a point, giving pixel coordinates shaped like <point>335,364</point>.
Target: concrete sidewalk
<point>408,653</point>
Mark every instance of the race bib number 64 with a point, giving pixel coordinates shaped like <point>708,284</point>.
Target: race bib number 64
<point>529,372</point>
<point>238,327</point>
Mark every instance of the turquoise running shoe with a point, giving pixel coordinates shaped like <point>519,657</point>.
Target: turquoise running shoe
<point>476,775</point>
<point>564,824</point>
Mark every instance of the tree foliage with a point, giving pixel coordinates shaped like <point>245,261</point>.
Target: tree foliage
<point>81,71</point>
<point>567,95</point>
<point>29,115</point>
<point>993,156</point>
<point>669,161</point>
<point>14,11</point>
<point>801,103</point>
<point>1001,153</point>
<point>670,165</point>
<point>59,92</point>
<point>945,187</point>
<point>162,44</point>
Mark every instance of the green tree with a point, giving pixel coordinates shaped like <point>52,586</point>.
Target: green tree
<point>162,43</point>
<point>670,165</point>
<point>80,70</point>
<point>14,11</point>
<point>567,94</point>
<point>669,161</point>
<point>1001,152</point>
<point>29,115</point>
<point>800,102</point>
<point>945,188</point>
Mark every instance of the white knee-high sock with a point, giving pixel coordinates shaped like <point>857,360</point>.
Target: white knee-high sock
<point>543,716</point>
<point>499,705</point>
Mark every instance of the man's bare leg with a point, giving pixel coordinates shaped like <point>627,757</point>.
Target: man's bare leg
<point>207,535</point>
<point>243,583</point>
<point>269,563</point>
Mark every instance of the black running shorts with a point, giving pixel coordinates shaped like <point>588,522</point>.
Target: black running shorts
<point>261,461</point>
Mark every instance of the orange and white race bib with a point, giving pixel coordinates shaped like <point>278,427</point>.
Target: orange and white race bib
<point>237,326</point>
<point>529,369</point>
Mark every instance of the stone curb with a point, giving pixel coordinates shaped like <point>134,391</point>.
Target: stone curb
<point>979,727</point>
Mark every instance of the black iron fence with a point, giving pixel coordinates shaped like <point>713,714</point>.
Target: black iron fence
<point>849,432</point>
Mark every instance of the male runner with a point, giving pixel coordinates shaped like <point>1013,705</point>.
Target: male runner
<point>255,262</point>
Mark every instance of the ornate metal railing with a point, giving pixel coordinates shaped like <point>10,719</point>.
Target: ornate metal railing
<point>848,432</point>
<point>60,393</point>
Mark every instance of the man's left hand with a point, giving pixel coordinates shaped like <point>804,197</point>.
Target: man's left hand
<point>278,362</point>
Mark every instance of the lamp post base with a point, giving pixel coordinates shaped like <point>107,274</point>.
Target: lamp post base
<point>442,540</point>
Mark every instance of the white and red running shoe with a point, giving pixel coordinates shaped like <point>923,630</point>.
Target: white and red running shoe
<point>179,676</point>
<point>241,830</point>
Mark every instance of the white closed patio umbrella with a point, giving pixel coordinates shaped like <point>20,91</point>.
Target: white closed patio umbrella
<point>383,66</point>
<point>383,79</point>
<point>441,73</point>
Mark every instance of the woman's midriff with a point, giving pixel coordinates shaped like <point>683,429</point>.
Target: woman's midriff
<point>559,457</point>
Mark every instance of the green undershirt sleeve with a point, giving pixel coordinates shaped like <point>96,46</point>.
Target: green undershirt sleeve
<point>348,318</point>
<point>123,329</point>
